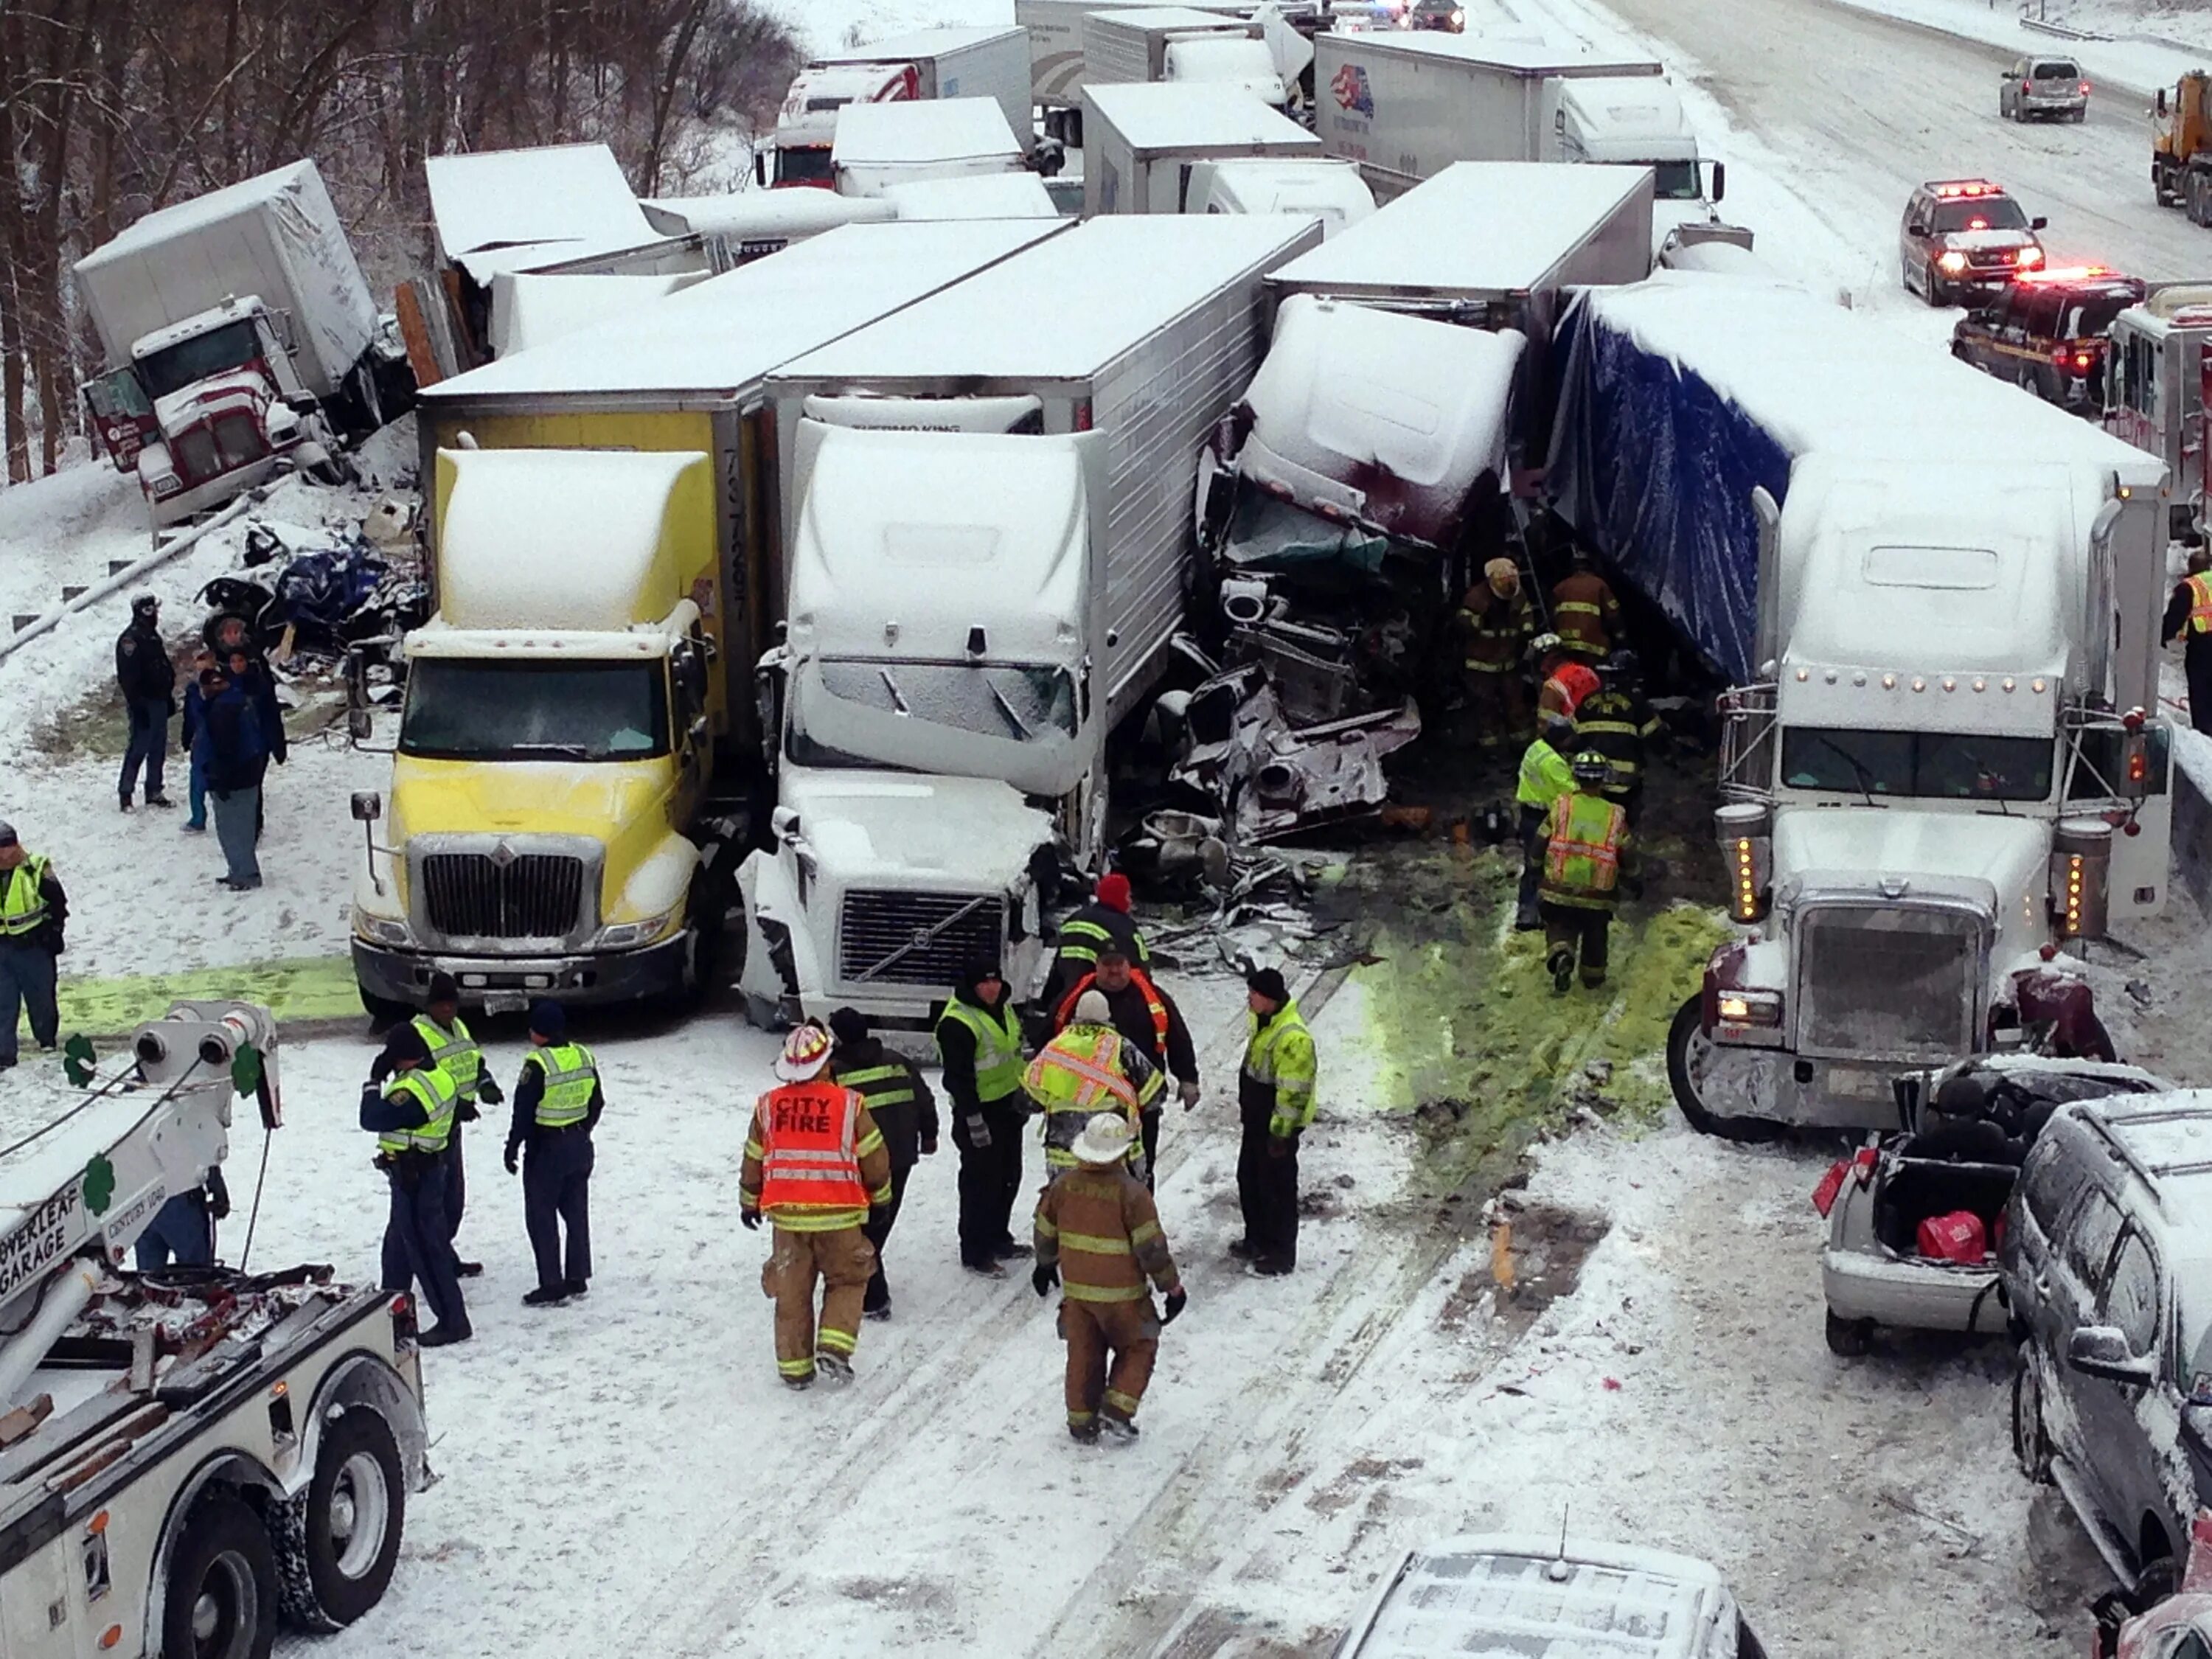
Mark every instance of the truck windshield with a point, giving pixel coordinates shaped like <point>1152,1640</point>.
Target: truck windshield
<point>1923,765</point>
<point>1011,703</point>
<point>1675,181</point>
<point>1269,533</point>
<point>804,166</point>
<point>535,710</point>
<point>218,351</point>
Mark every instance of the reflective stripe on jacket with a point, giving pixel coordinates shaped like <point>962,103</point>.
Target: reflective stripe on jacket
<point>1086,1070</point>
<point>813,1157</point>
<point>1496,633</point>
<point>998,1046</point>
<point>432,1088</point>
<point>1279,1066</point>
<point>1101,1229</point>
<point>1097,925</point>
<point>571,1075</point>
<point>1545,775</point>
<point>1064,1016</point>
<point>2200,605</point>
<point>1583,835</point>
<point>455,1050</point>
<point>23,898</point>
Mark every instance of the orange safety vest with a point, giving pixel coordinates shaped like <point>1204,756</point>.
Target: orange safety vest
<point>1581,851</point>
<point>1153,1005</point>
<point>809,1159</point>
<point>2200,605</point>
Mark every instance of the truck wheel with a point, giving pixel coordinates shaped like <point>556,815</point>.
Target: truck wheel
<point>221,1599</point>
<point>2157,1581</point>
<point>337,1542</point>
<point>1849,1338</point>
<point>2031,1440</point>
<point>706,921</point>
<point>1687,1044</point>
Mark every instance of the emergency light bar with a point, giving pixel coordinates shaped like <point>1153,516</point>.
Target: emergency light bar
<point>2074,274</point>
<point>1949,189</point>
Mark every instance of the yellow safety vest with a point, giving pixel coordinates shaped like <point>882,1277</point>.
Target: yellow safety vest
<point>998,1047</point>
<point>433,1089</point>
<point>2200,605</point>
<point>571,1074</point>
<point>1582,852</point>
<point>455,1050</point>
<point>1078,1075</point>
<point>23,898</point>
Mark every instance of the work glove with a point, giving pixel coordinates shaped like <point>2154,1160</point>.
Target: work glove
<point>1044,1276</point>
<point>929,1148</point>
<point>513,1156</point>
<point>1177,1299</point>
<point>1188,1090</point>
<point>1278,1146</point>
<point>978,1132</point>
<point>750,1218</point>
<point>465,1110</point>
<point>488,1090</point>
<point>218,1203</point>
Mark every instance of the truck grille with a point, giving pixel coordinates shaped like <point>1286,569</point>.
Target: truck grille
<point>238,439</point>
<point>195,455</point>
<point>532,896</point>
<point>1890,983</point>
<point>875,926</point>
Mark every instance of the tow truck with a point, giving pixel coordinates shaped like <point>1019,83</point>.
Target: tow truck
<point>186,1456</point>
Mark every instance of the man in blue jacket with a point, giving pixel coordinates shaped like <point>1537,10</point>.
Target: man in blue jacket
<point>238,754</point>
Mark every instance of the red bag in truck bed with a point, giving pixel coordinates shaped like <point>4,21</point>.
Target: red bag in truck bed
<point>1958,1236</point>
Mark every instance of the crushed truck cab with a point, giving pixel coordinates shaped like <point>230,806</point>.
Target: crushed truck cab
<point>544,835</point>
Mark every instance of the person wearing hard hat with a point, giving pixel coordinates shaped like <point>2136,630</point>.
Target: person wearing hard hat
<point>1098,1237</point>
<point>1496,624</point>
<point>815,1166</point>
<point>1587,862</point>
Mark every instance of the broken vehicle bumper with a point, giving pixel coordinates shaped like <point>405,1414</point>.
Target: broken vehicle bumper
<point>504,984</point>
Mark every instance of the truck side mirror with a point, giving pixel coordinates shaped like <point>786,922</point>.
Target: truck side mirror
<point>359,727</point>
<point>783,822</point>
<point>760,167</point>
<point>1916,229</point>
<point>368,807</point>
<point>2159,108</point>
<point>1720,182</point>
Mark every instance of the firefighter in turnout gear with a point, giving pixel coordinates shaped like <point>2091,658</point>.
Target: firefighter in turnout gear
<point>411,1115</point>
<point>453,1048</point>
<point>1275,1105</point>
<point>2189,619</point>
<point>978,1042</point>
<point>1103,922</point>
<point>1087,1069</point>
<point>557,1102</point>
<point>815,1166</point>
<point>1587,862</point>
<point>1584,611</point>
<point>1496,625</point>
<point>905,1115</point>
<point>1147,1017</point>
<point>1545,776</point>
<point>1098,1236</point>
<point>1616,721</point>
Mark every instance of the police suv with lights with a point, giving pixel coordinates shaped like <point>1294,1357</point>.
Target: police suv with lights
<point>2047,331</point>
<point>1964,235</point>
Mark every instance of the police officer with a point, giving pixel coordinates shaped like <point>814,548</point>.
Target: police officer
<point>1614,721</point>
<point>557,1102</point>
<point>452,1047</point>
<point>905,1113</point>
<point>2189,619</point>
<point>148,680</point>
<point>34,915</point>
<point>1587,862</point>
<point>1275,1105</point>
<point>979,1042</point>
<point>411,1113</point>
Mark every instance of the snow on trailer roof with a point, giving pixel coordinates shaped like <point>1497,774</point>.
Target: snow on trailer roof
<point>1476,228</point>
<point>983,195</point>
<point>212,209</point>
<point>1820,377</point>
<point>1516,55</point>
<point>929,129</point>
<point>506,197</point>
<point>722,335</point>
<point>762,214</point>
<point>1166,17</point>
<point>1194,117</point>
<point>1065,309</point>
<point>916,43</point>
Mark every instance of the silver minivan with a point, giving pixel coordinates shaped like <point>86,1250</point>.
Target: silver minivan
<point>2052,87</point>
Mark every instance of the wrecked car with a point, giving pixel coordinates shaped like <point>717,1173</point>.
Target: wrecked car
<point>2179,1627</point>
<point>1914,1220</point>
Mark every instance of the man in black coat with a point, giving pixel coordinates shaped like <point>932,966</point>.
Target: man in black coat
<point>148,680</point>
<point>905,1114</point>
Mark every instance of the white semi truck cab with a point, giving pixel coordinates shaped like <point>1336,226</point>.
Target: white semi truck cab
<point>937,720</point>
<point>1944,777</point>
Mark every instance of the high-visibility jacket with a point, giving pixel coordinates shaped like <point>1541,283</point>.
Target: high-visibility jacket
<point>814,1162</point>
<point>23,908</point>
<point>899,1102</point>
<point>455,1050</point>
<point>1545,775</point>
<point>997,1035</point>
<point>1617,725</point>
<point>1584,613</point>
<point>1584,838</point>
<point>1156,1013</point>
<point>1496,633</point>
<point>2200,604</point>
<point>1278,1069</point>
<point>1086,1070</point>
<point>572,1075</point>
<point>432,1088</point>
<point>1096,926</point>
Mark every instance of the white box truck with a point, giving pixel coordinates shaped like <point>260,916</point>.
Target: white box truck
<point>990,61</point>
<point>1056,72</point>
<point>1180,44</point>
<point>882,145</point>
<point>236,334</point>
<point>990,545</point>
<point>1145,138</point>
<point>1405,105</point>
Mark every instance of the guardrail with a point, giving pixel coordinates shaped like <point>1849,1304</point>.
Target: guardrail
<point>2064,32</point>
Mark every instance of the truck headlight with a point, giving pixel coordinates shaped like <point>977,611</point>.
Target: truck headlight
<point>620,935</point>
<point>1760,1008</point>
<point>382,930</point>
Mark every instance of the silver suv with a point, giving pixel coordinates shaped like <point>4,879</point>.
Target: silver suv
<point>2107,1269</point>
<point>2044,86</point>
